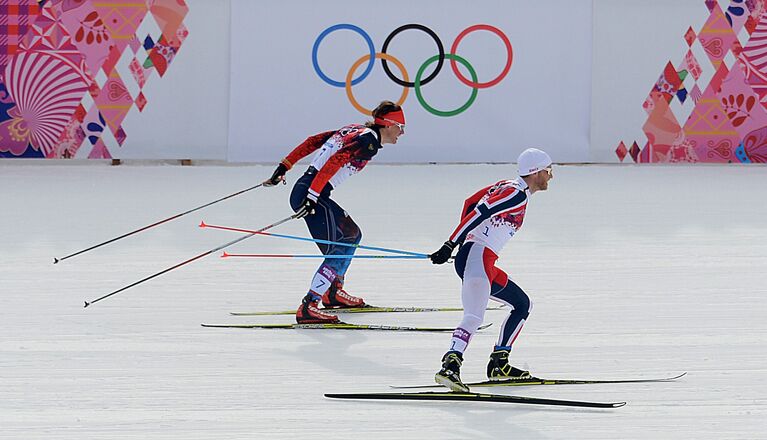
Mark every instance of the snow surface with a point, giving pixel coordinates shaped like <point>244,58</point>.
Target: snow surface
<point>635,272</point>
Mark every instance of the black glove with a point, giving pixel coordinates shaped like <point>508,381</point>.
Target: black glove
<point>278,176</point>
<point>443,254</point>
<point>307,208</point>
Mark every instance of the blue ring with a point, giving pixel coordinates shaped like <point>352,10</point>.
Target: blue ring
<point>324,34</point>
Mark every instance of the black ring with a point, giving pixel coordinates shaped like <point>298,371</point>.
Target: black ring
<point>432,35</point>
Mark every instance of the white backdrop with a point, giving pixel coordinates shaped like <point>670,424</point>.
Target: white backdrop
<point>277,98</point>
<point>186,117</point>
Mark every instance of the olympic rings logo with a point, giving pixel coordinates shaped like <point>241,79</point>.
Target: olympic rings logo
<point>419,81</point>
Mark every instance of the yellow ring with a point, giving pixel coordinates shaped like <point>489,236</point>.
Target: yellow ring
<point>357,64</point>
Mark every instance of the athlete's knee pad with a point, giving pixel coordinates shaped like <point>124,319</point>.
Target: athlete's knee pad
<point>525,305</point>
<point>358,236</point>
<point>475,284</point>
<point>470,322</point>
<point>349,230</point>
<point>516,297</point>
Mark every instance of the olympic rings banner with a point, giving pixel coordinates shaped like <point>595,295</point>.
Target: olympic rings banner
<point>478,82</point>
<point>419,81</point>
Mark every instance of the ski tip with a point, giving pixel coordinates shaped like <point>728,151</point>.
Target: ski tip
<point>619,404</point>
<point>340,396</point>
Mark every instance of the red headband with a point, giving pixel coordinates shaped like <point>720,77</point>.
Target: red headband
<point>396,116</point>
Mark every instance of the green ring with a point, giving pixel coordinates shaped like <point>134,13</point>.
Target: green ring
<point>460,109</point>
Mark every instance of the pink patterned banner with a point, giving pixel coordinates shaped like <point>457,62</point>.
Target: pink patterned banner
<point>726,122</point>
<point>72,70</point>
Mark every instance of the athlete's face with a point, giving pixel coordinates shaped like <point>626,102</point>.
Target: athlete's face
<point>540,180</point>
<point>390,134</point>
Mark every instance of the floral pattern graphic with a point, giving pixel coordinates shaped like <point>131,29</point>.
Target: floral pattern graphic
<point>91,29</point>
<point>46,91</point>
<point>738,108</point>
<point>754,147</point>
<point>66,83</point>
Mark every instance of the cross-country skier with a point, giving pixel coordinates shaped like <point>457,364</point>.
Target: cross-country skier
<point>339,154</point>
<point>489,219</point>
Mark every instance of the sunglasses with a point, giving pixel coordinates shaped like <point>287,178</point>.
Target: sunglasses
<point>400,126</point>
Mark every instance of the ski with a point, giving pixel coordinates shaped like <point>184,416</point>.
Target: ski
<point>474,397</point>
<point>538,381</point>
<point>366,309</point>
<point>339,326</point>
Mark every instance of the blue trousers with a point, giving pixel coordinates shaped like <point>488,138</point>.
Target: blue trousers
<point>329,222</point>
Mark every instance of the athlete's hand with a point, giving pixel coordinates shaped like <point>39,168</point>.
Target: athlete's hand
<point>278,176</point>
<point>443,254</point>
<point>308,208</point>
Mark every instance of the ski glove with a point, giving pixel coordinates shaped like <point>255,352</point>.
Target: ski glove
<point>443,254</point>
<point>308,208</point>
<point>278,176</point>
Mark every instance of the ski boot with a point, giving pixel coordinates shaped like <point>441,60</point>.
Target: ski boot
<point>499,368</point>
<point>309,313</point>
<point>337,298</point>
<point>450,374</point>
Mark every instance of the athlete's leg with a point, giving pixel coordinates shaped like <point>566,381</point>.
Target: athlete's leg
<point>507,292</point>
<point>343,230</point>
<point>519,304</point>
<point>475,265</point>
<point>319,224</point>
<point>330,222</point>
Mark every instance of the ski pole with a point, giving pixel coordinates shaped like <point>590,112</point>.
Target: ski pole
<point>87,303</point>
<point>56,260</point>
<point>406,257</point>
<point>336,243</point>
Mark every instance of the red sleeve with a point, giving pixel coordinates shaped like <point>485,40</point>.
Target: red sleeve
<point>472,201</point>
<point>310,145</point>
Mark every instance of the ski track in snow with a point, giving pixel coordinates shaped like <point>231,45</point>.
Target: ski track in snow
<point>633,272</point>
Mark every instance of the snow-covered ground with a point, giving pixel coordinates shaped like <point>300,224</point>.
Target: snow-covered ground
<point>635,272</point>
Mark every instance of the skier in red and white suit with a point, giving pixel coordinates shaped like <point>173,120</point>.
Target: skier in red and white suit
<point>338,155</point>
<point>489,219</point>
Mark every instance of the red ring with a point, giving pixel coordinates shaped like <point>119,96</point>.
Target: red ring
<point>501,35</point>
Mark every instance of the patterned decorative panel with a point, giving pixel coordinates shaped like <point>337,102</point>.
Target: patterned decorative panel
<point>16,16</point>
<point>72,70</point>
<point>726,121</point>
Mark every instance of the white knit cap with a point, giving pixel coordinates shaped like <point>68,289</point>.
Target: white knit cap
<point>532,160</point>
